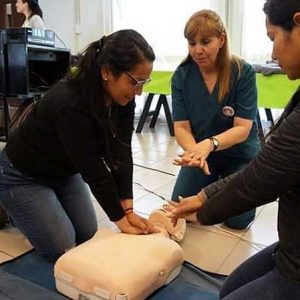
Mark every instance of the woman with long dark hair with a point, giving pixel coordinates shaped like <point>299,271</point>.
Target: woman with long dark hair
<point>79,132</point>
<point>273,273</point>
<point>32,12</point>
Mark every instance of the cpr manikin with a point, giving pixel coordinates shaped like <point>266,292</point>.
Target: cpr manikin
<point>119,266</point>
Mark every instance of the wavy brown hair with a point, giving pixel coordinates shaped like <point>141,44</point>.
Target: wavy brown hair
<point>208,23</point>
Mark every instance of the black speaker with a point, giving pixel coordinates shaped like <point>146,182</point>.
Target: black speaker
<point>2,62</point>
<point>32,69</point>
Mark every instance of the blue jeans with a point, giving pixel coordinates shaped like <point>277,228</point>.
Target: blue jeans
<point>191,180</point>
<point>259,279</point>
<point>54,215</point>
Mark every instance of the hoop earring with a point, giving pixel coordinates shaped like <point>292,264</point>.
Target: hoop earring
<point>297,19</point>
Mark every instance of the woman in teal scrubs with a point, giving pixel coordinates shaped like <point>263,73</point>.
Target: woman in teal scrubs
<point>214,100</point>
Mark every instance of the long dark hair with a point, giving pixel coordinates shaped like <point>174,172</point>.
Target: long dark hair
<point>34,7</point>
<point>280,13</point>
<point>120,51</point>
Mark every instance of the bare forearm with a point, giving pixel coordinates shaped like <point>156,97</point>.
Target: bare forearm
<point>231,137</point>
<point>184,138</point>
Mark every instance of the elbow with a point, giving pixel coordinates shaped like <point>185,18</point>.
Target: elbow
<point>244,138</point>
<point>244,134</point>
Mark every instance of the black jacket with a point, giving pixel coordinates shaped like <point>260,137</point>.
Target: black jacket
<point>273,174</point>
<point>61,137</point>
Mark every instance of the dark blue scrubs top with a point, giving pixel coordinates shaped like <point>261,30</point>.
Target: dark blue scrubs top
<point>192,101</point>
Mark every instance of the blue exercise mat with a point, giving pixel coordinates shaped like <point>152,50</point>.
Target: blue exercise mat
<point>192,282</point>
<point>16,288</point>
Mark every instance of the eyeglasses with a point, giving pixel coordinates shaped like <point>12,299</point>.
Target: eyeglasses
<point>138,83</point>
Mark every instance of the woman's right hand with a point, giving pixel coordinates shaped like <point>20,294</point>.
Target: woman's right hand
<point>141,223</point>
<point>187,208</point>
<point>199,151</point>
<point>126,227</point>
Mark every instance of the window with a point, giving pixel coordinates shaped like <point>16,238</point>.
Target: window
<point>162,23</point>
<point>256,46</point>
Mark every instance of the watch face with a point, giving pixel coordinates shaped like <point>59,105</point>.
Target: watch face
<point>215,143</point>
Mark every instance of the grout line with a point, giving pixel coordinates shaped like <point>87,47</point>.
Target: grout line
<point>227,256</point>
<point>7,254</point>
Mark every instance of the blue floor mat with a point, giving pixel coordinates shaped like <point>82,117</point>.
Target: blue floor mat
<point>13,287</point>
<point>32,267</point>
<point>191,284</point>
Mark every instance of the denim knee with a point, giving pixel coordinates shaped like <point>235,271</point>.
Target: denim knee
<point>53,249</point>
<point>241,221</point>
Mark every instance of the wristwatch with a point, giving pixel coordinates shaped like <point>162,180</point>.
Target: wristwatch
<point>215,143</point>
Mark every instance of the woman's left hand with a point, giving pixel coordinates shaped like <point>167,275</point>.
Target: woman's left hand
<point>183,160</point>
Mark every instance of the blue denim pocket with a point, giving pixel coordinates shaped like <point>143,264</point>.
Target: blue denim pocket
<point>9,175</point>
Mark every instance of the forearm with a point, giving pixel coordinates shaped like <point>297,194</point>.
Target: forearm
<point>209,191</point>
<point>231,137</point>
<point>230,198</point>
<point>212,189</point>
<point>127,203</point>
<point>123,176</point>
<point>108,198</point>
<point>268,176</point>
<point>184,138</point>
<point>124,173</point>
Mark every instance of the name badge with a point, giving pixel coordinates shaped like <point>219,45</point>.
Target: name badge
<point>228,111</point>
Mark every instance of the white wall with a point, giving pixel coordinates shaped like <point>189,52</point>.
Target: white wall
<point>77,22</point>
<point>59,17</point>
<point>95,20</point>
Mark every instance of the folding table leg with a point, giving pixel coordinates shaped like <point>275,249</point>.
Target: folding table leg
<point>259,127</point>
<point>168,116</point>
<point>145,113</point>
<point>269,115</point>
<point>156,111</point>
<point>6,117</point>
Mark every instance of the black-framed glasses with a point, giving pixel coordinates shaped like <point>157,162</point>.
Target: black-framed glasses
<point>138,83</point>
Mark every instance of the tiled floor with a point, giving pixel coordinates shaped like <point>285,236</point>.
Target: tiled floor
<point>213,248</point>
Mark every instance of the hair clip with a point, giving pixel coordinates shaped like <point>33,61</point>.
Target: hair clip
<point>101,42</point>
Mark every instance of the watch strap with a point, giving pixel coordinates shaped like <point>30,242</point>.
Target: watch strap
<point>215,143</point>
